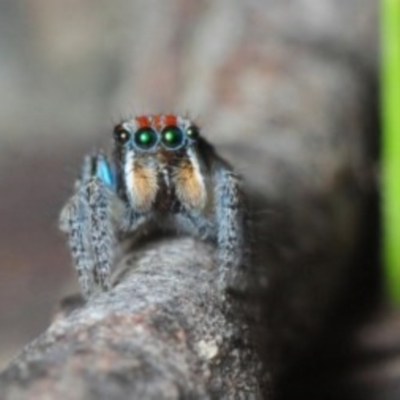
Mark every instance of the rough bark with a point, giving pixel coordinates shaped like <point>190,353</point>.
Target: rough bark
<point>161,333</point>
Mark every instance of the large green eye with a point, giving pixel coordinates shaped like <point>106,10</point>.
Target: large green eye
<point>145,138</point>
<point>172,137</point>
<point>121,134</point>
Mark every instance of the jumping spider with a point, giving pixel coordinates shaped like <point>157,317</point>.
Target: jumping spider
<point>160,173</point>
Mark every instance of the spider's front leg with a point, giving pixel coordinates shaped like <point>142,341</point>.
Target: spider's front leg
<point>90,218</point>
<point>231,225</point>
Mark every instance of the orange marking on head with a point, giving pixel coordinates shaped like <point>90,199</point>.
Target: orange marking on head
<point>189,187</point>
<point>143,121</point>
<point>170,120</point>
<point>145,186</point>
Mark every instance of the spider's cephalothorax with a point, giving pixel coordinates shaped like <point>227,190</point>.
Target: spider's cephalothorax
<point>161,173</point>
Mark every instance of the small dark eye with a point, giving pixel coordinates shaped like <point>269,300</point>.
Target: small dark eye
<point>172,137</point>
<point>145,138</point>
<point>193,132</point>
<point>121,134</point>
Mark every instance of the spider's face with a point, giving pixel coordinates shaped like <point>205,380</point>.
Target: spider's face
<point>158,154</point>
<point>156,134</point>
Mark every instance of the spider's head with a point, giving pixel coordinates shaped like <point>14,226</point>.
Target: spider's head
<point>148,148</point>
<point>161,135</point>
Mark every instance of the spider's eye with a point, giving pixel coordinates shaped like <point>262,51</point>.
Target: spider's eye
<point>172,137</point>
<point>145,138</point>
<point>121,134</point>
<point>193,132</point>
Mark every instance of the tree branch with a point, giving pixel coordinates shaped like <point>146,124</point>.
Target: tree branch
<point>161,333</point>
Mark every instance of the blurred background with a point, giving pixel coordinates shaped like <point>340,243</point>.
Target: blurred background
<point>70,70</point>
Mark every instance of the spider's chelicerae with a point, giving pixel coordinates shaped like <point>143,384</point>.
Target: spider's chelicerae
<point>160,173</point>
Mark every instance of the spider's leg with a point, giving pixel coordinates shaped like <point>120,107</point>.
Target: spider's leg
<point>230,218</point>
<point>73,216</point>
<point>74,220</point>
<point>104,207</point>
<point>88,218</point>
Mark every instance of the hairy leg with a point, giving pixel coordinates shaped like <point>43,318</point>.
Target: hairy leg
<point>88,218</point>
<point>73,221</point>
<point>231,223</point>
